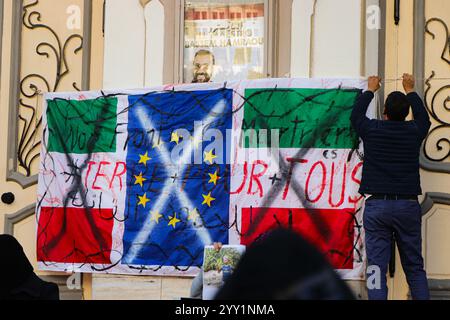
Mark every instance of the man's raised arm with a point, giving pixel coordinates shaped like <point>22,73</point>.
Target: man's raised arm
<point>358,118</point>
<point>420,114</point>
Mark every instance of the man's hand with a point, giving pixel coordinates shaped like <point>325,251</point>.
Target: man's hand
<point>374,83</point>
<point>217,246</point>
<point>408,83</point>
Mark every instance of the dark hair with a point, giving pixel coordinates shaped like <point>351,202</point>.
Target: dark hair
<point>205,52</point>
<point>397,106</point>
<point>15,267</point>
<point>284,266</point>
<point>17,278</point>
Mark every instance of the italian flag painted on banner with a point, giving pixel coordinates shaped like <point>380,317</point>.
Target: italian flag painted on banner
<point>294,161</point>
<point>321,155</point>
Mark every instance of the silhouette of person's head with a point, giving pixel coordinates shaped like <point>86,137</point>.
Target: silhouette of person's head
<point>15,268</point>
<point>284,266</point>
<point>17,278</point>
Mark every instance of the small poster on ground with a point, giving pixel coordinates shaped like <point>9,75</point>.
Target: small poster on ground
<point>218,267</point>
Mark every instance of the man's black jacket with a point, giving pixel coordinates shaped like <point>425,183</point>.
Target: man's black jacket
<point>391,148</point>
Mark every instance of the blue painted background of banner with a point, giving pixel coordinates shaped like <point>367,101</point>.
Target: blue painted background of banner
<point>174,235</point>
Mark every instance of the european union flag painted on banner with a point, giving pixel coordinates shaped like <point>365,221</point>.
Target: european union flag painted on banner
<point>175,204</point>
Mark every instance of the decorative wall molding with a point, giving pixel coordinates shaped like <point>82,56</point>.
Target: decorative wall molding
<point>432,198</point>
<point>439,289</point>
<point>24,142</point>
<point>61,281</point>
<point>442,130</point>
<point>14,218</point>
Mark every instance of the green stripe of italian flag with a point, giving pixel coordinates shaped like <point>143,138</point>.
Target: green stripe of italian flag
<point>319,198</point>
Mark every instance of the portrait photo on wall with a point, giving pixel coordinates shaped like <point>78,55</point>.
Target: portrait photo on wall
<point>224,40</point>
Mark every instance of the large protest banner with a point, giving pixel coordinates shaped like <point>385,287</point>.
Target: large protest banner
<point>139,181</point>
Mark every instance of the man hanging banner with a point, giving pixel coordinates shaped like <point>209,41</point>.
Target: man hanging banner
<point>138,182</point>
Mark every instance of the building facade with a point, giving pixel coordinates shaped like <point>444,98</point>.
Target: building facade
<point>66,45</point>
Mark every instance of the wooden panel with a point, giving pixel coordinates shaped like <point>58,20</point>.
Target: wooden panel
<point>124,44</point>
<point>436,237</point>
<point>25,233</point>
<point>336,39</point>
<point>175,288</point>
<point>139,287</point>
<point>154,43</point>
<point>107,287</point>
<point>302,13</point>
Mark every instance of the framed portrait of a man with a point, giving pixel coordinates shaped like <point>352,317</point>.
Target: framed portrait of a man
<point>224,40</point>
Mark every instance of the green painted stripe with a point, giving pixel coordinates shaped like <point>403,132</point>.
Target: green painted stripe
<point>305,118</point>
<point>79,127</point>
